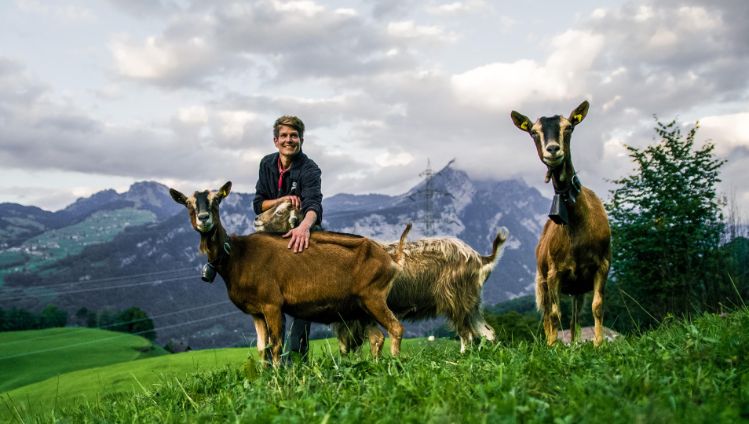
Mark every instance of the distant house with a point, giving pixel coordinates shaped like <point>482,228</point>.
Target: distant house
<point>586,335</point>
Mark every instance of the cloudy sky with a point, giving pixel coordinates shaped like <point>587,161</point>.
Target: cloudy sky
<point>100,94</point>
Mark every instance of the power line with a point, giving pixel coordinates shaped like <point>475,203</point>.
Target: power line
<point>108,279</point>
<point>60,293</point>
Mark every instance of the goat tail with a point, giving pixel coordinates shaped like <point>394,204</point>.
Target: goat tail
<point>497,248</point>
<point>399,253</point>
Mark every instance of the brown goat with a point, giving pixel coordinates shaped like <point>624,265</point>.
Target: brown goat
<point>340,276</point>
<point>439,277</point>
<point>574,251</point>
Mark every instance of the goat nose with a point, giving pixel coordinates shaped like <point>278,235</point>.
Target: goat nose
<point>203,216</point>
<point>553,149</point>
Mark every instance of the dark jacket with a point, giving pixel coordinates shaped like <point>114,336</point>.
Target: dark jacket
<point>303,171</point>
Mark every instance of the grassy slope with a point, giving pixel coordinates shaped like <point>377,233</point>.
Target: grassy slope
<point>30,356</point>
<point>683,372</point>
<point>88,385</point>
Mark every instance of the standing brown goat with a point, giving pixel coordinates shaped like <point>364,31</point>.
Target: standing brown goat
<point>439,277</point>
<point>574,252</point>
<point>340,276</point>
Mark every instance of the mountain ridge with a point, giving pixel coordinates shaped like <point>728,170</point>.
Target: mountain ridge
<point>164,252</point>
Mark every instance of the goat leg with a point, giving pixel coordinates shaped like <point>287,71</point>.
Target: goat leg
<point>463,328</point>
<point>376,340</point>
<point>274,321</point>
<point>597,304</point>
<point>350,335</point>
<point>377,307</point>
<point>479,326</point>
<point>261,331</point>
<point>550,301</point>
<point>543,305</point>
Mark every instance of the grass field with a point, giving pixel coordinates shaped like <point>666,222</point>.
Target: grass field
<point>89,385</point>
<point>30,356</point>
<point>683,372</point>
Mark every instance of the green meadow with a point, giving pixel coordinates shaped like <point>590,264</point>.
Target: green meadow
<point>684,371</point>
<point>30,356</point>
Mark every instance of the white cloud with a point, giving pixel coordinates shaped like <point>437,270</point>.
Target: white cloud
<point>346,12</point>
<point>381,88</point>
<point>307,8</point>
<point>509,85</point>
<point>64,12</point>
<point>409,30</point>
<point>663,38</point>
<point>389,159</point>
<point>598,13</point>
<point>233,123</point>
<point>697,18</point>
<point>159,59</point>
<point>457,7</point>
<point>644,13</point>
<point>727,132</point>
<point>194,115</point>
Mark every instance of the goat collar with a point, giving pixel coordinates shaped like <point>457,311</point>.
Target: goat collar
<point>226,247</point>
<point>564,196</point>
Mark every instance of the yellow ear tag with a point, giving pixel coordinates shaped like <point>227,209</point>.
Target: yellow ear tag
<point>222,193</point>
<point>578,117</point>
<point>524,125</point>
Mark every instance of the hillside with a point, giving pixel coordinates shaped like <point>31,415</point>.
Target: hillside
<point>30,356</point>
<point>683,372</point>
<point>126,377</point>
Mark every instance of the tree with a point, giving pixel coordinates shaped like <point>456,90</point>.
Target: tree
<point>134,320</point>
<point>19,319</point>
<point>52,316</point>
<point>84,316</point>
<point>666,224</point>
<point>106,319</point>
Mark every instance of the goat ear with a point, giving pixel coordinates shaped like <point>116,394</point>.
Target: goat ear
<point>224,190</point>
<point>521,121</point>
<point>579,113</point>
<point>178,197</point>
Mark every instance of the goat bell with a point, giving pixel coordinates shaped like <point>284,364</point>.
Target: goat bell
<point>558,212</point>
<point>208,274</point>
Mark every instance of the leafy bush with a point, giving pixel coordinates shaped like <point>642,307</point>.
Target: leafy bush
<point>667,224</point>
